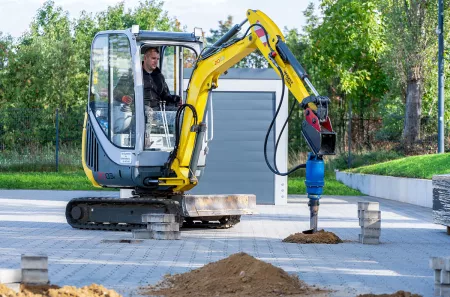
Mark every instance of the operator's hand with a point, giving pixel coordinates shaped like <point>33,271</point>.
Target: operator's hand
<point>176,100</point>
<point>127,99</point>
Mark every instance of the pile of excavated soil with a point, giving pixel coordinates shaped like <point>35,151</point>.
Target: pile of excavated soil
<point>320,236</point>
<point>55,291</point>
<point>396,294</point>
<point>238,275</point>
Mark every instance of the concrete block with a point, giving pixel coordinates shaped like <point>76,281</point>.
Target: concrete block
<point>35,276</point>
<point>370,214</point>
<point>442,291</point>
<point>31,261</point>
<point>445,277</point>
<point>158,218</point>
<point>168,235</point>
<point>142,234</point>
<point>370,223</point>
<point>10,276</point>
<point>369,240</point>
<point>370,232</point>
<point>437,276</point>
<point>428,200</point>
<point>438,262</point>
<point>366,205</point>
<point>13,286</point>
<point>446,263</point>
<point>163,227</point>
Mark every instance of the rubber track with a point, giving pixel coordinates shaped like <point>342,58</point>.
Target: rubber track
<point>128,227</point>
<point>105,200</point>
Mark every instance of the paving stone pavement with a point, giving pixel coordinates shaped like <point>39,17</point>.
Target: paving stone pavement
<point>34,222</point>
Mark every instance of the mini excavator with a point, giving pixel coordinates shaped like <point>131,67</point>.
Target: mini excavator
<point>158,154</point>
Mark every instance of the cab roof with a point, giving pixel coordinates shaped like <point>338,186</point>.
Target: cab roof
<point>167,36</point>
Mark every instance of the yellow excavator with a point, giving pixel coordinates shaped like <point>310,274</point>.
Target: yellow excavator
<point>159,153</point>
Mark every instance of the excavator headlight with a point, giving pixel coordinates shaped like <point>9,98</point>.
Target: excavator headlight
<point>198,32</point>
<point>135,29</point>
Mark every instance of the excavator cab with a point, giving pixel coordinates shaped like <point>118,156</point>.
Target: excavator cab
<point>121,135</point>
<point>127,145</point>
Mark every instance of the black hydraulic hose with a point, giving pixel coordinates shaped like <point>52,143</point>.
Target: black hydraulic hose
<point>275,170</point>
<point>236,28</point>
<point>294,104</point>
<point>227,44</point>
<point>177,130</point>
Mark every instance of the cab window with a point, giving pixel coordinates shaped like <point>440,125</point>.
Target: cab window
<point>112,89</point>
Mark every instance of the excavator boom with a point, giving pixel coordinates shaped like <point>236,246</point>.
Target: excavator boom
<point>265,36</point>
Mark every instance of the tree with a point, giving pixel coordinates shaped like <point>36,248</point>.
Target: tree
<point>254,60</point>
<point>48,67</point>
<point>410,46</point>
<point>6,54</point>
<point>345,50</point>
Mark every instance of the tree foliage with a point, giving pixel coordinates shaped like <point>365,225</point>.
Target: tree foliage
<point>48,67</point>
<point>343,51</point>
<point>376,60</point>
<point>411,46</point>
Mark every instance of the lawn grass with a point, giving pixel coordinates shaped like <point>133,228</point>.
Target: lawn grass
<point>79,181</point>
<point>296,185</point>
<point>424,166</point>
<point>46,181</point>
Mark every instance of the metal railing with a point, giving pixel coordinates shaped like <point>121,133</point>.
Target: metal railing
<point>40,139</point>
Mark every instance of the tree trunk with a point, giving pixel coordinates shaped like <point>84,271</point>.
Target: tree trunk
<point>413,106</point>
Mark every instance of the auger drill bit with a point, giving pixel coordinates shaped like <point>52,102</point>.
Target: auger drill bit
<point>315,173</point>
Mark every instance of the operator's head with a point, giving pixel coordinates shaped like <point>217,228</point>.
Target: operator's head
<point>151,59</point>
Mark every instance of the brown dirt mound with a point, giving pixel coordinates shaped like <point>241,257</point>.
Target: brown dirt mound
<point>396,294</point>
<point>55,291</point>
<point>320,236</point>
<point>238,275</point>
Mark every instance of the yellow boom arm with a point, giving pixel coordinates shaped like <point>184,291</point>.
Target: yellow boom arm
<point>263,35</point>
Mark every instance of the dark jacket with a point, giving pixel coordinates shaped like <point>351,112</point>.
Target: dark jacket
<point>155,89</point>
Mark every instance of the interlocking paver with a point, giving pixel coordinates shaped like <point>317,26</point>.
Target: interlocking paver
<point>34,222</point>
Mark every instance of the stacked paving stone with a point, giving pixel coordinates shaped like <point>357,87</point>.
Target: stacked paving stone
<point>34,271</point>
<point>441,266</point>
<point>159,226</point>
<point>369,215</point>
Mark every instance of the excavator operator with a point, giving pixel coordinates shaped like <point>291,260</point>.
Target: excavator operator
<point>158,102</point>
<point>156,91</point>
<point>155,86</point>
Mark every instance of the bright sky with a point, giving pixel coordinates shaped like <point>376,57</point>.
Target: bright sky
<point>16,15</point>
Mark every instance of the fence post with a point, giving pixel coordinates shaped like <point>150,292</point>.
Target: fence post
<point>349,160</point>
<point>57,140</point>
<point>441,82</point>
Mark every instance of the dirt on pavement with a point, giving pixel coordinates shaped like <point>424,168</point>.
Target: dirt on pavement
<point>55,291</point>
<point>320,236</point>
<point>238,275</point>
<point>396,294</point>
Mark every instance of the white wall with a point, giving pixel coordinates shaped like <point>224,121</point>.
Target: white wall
<point>409,190</point>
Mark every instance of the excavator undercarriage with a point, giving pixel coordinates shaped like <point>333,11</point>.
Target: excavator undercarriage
<point>191,211</point>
